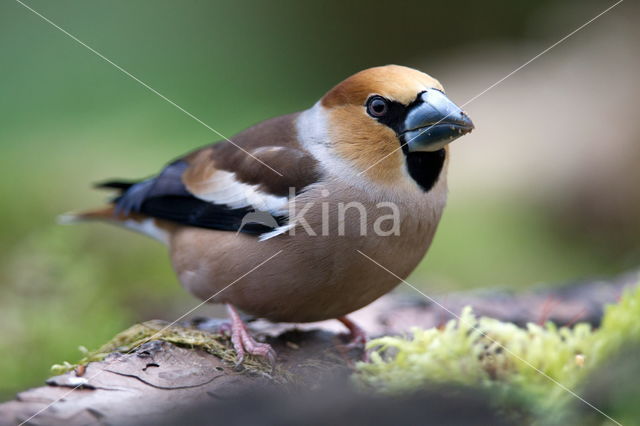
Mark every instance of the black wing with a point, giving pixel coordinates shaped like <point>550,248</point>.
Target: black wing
<point>166,197</point>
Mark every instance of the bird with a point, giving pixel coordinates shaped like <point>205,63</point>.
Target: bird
<point>362,172</point>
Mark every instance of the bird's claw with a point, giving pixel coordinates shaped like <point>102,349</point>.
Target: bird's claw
<point>244,343</point>
<point>248,345</point>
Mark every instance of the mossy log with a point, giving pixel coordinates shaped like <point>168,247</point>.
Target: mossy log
<point>150,372</point>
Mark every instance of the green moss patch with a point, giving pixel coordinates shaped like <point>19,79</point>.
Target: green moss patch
<point>533,365</point>
<point>130,339</point>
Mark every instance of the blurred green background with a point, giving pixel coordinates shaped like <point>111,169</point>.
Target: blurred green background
<point>69,119</point>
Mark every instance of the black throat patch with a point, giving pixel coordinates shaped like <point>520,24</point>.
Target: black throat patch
<point>425,167</point>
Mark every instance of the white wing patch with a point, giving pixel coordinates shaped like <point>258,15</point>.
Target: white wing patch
<point>223,188</point>
<point>278,231</point>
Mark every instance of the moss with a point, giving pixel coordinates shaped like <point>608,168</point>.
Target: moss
<point>128,340</point>
<point>529,365</point>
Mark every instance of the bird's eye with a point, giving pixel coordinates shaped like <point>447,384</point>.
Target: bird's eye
<point>377,106</point>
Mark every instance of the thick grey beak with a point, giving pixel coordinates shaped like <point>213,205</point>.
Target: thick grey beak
<point>434,122</point>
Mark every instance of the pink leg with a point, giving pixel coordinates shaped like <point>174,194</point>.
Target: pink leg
<point>242,341</point>
<point>357,336</point>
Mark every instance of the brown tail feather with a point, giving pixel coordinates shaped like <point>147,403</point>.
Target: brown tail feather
<point>105,213</point>
<point>154,228</point>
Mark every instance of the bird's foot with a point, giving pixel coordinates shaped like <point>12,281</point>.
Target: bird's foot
<point>357,337</point>
<point>244,343</point>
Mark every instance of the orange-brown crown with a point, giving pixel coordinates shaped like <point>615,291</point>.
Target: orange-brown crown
<point>394,82</point>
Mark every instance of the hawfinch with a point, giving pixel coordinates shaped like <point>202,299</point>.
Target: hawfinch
<point>273,221</point>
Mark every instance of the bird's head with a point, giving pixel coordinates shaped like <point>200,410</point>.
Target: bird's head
<point>394,117</point>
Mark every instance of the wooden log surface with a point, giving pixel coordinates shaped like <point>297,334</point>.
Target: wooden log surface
<point>159,378</point>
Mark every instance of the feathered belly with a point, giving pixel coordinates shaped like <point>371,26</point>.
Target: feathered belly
<point>299,278</point>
